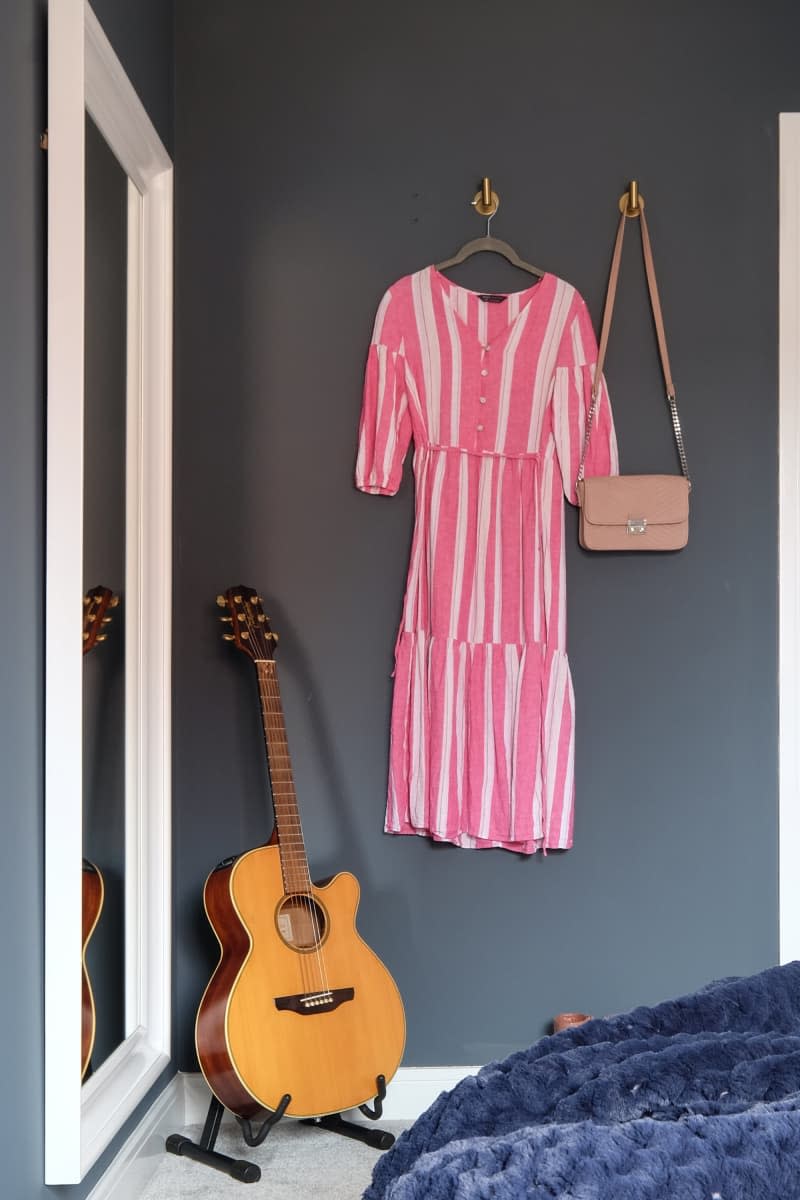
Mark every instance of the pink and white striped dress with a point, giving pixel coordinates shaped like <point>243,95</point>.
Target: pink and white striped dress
<point>494,392</point>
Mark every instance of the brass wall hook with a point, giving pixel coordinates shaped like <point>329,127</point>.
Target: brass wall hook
<point>631,202</point>
<point>486,201</point>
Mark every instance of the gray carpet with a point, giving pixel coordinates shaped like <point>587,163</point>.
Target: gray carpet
<point>297,1163</point>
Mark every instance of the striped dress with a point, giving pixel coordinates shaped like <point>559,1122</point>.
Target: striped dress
<point>494,392</point>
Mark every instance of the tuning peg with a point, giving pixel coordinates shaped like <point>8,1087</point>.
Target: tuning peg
<point>226,620</point>
<point>106,620</point>
<point>87,600</point>
<point>273,637</point>
<point>101,637</point>
<point>85,635</point>
<point>113,602</point>
<point>261,618</point>
<point>221,601</point>
<point>241,617</point>
<point>245,634</point>
<point>238,599</point>
<point>228,637</point>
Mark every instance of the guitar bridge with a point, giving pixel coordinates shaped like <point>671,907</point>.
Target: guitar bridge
<point>306,1003</point>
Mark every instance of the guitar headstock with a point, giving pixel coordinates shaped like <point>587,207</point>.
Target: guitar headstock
<point>249,627</point>
<point>96,604</point>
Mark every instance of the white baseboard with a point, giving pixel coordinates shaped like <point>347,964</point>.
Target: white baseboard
<point>185,1099</point>
<point>412,1090</point>
<point>132,1167</point>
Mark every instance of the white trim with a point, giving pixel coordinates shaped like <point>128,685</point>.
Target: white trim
<point>185,1101</point>
<point>789,538</point>
<point>414,1089</point>
<point>133,587</point>
<point>84,71</point>
<point>116,110</point>
<point>110,1096</point>
<point>155,529</point>
<point>133,1167</point>
<point>411,1091</point>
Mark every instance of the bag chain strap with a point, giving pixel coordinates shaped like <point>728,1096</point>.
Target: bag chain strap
<point>662,341</point>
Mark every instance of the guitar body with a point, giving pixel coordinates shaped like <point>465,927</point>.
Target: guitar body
<point>341,1023</point>
<point>92,904</point>
<point>96,608</point>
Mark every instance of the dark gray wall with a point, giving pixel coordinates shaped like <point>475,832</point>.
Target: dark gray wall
<point>22,355</point>
<point>21,458</point>
<point>323,151</point>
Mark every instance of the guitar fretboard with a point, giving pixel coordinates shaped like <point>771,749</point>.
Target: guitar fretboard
<point>294,862</point>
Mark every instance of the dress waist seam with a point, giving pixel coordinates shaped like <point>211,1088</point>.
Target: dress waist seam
<point>423,446</point>
<point>425,635</point>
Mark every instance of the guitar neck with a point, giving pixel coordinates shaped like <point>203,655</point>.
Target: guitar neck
<point>294,862</point>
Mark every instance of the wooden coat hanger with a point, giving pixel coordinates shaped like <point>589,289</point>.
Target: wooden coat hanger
<point>487,202</point>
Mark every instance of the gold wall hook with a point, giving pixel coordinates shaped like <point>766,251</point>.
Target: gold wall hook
<point>631,202</point>
<point>486,201</point>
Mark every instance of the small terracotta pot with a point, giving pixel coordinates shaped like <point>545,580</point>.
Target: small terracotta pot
<point>565,1020</point>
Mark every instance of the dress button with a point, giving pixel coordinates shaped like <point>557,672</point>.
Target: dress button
<point>484,371</point>
<point>483,399</point>
<point>480,429</point>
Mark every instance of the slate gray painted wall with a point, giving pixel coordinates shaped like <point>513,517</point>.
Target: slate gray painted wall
<point>21,458</point>
<point>23,51</point>
<point>323,152</point>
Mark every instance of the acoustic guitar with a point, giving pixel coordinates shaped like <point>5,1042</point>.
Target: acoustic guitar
<point>93,890</point>
<point>298,1004</point>
<point>96,605</point>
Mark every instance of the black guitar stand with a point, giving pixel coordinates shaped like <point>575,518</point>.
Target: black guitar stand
<point>248,1172</point>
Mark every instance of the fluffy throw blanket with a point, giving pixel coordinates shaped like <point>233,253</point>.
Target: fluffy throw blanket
<point>695,1099</point>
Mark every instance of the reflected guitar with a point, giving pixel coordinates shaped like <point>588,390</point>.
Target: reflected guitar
<point>95,618</point>
<point>298,1004</point>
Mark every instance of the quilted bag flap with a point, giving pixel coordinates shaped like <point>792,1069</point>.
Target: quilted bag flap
<point>618,499</point>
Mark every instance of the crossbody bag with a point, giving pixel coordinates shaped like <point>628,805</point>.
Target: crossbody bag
<point>634,512</point>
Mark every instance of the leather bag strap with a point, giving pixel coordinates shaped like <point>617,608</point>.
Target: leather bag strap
<point>658,320</point>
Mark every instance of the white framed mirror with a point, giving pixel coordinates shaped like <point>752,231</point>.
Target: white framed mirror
<point>91,105</point>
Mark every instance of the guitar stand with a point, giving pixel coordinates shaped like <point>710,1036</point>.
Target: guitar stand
<point>249,1172</point>
<point>379,1139</point>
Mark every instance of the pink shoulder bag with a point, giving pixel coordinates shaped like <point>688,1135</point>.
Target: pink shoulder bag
<point>634,512</point>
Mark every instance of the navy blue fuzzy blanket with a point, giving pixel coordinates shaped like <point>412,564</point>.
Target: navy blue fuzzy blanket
<point>695,1099</point>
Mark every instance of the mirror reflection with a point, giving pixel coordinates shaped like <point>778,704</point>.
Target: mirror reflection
<point>104,558</point>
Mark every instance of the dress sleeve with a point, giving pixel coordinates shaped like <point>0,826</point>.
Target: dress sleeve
<point>385,428</point>
<point>572,398</point>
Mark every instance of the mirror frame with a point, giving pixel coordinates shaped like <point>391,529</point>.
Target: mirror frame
<point>85,75</point>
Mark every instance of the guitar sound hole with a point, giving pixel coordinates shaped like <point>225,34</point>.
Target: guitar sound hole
<point>301,922</point>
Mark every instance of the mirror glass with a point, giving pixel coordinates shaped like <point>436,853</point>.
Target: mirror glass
<point>104,560</point>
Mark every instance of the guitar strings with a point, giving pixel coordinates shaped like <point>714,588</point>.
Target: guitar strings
<point>300,859</point>
<point>306,894</point>
<point>299,852</point>
<point>293,852</point>
<point>282,858</point>
<point>297,858</point>
<point>286,850</point>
